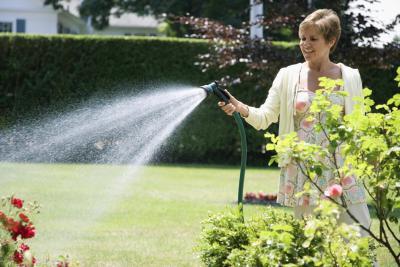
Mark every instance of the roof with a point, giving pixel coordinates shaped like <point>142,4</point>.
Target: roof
<point>26,6</point>
<point>127,20</point>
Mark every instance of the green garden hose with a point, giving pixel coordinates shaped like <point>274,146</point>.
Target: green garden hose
<point>214,89</point>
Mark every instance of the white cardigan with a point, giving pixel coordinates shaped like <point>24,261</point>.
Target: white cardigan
<point>280,100</point>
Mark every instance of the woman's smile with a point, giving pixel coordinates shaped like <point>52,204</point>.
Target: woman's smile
<point>307,52</point>
<point>313,45</point>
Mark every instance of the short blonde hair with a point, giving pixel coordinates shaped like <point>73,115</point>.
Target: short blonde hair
<point>327,22</point>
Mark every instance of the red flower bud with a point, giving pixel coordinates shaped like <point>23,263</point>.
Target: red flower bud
<point>16,202</point>
<point>27,231</point>
<point>12,225</point>
<point>23,217</point>
<point>18,257</point>
<point>23,247</point>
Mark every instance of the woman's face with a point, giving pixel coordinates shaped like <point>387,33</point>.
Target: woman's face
<point>313,45</point>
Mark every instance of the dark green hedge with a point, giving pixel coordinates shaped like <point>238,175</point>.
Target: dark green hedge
<point>39,74</point>
<point>42,71</point>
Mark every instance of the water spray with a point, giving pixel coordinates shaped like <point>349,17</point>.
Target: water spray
<point>214,89</point>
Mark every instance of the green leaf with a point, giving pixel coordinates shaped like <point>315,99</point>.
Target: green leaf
<point>282,227</point>
<point>367,92</point>
<point>270,147</point>
<point>398,76</point>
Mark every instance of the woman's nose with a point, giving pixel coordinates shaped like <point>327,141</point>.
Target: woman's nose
<point>305,44</point>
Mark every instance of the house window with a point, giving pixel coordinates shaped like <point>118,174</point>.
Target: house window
<point>65,30</point>
<point>5,26</point>
<point>61,28</point>
<point>21,23</point>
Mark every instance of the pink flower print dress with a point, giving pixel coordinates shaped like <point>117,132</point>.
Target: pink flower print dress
<point>292,179</point>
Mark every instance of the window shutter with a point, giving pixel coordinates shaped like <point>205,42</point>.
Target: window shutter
<point>21,23</point>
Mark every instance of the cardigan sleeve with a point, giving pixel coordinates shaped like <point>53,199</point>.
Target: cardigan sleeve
<point>359,84</point>
<point>267,113</point>
<point>359,90</point>
<point>355,90</point>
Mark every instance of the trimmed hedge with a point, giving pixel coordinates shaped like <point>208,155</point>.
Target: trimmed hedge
<point>39,74</point>
<point>46,70</point>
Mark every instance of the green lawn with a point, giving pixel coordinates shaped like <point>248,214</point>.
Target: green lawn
<point>106,215</point>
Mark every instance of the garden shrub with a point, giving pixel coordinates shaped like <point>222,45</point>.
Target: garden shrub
<point>276,238</point>
<point>16,228</point>
<point>222,233</point>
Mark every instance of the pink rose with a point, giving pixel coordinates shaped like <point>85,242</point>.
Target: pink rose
<point>334,191</point>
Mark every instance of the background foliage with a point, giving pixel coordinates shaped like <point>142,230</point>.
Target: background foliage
<point>281,17</point>
<point>41,74</point>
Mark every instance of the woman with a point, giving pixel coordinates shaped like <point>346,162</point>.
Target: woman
<point>290,97</point>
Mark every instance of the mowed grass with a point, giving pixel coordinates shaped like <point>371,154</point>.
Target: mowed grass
<point>104,215</point>
<point>151,219</point>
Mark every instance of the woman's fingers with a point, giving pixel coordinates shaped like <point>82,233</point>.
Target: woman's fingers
<point>232,99</point>
<point>228,109</point>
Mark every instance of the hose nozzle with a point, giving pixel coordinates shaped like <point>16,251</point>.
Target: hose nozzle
<point>213,88</point>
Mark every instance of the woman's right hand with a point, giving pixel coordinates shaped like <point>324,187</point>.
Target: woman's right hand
<point>234,105</point>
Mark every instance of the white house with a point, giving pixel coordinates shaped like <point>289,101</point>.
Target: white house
<point>32,16</point>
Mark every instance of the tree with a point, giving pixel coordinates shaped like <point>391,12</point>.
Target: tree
<point>227,11</point>
<point>232,46</point>
<point>281,17</point>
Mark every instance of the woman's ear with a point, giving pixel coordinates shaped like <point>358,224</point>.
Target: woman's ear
<point>332,42</point>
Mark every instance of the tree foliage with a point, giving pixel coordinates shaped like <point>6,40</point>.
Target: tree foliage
<point>232,46</point>
<point>356,27</point>
<point>228,11</point>
<point>225,24</point>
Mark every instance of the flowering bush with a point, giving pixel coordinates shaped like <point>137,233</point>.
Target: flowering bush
<point>260,198</point>
<point>369,143</point>
<point>15,228</point>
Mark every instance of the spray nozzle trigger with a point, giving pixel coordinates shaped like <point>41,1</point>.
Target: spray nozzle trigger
<point>213,88</point>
